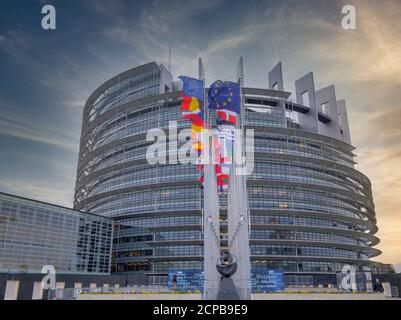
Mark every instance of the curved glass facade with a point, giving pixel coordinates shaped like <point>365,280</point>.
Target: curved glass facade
<point>311,210</point>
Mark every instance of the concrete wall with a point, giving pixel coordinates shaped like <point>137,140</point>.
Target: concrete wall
<point>343,121</point>
<point>276,77</point>
<point>327,96</point>
<point>309,120</point>
<point>269,296</point>
<point>319,296</point>
<point>166,79</point>
<point>159,296</point>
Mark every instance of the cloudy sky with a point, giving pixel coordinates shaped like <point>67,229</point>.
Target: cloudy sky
<point>46,76</point>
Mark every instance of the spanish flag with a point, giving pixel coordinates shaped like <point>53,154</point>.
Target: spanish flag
<point>189,103</point>
<point>192,93</point>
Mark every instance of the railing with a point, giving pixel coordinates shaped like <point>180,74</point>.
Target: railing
<point>73,293</point>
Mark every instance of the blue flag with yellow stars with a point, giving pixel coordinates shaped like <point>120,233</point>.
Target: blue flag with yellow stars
<point>225,95</point>
<point>192,87</point>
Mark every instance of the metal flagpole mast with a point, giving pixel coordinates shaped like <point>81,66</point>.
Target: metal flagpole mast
<point>211,217</point>
<point>238,209</point>
<point>244,190</point>
<point>201,76</point>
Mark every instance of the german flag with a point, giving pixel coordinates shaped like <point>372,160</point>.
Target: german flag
<point>196,128</point>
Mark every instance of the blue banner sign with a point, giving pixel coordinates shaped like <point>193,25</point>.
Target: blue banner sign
<point>267,280</point>
<point>262,280</point>
<point>191,279</point>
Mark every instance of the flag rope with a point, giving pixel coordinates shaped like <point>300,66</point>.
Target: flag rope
<point>213,229</point>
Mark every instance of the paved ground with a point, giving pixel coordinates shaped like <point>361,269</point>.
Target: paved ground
<point>272,296</point>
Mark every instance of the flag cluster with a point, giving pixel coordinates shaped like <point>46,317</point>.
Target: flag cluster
<point>224,140</point>
<point>225,98</point>
<point>193,94</point>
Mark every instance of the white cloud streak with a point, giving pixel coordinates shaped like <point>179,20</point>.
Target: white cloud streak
<point>22,128</point>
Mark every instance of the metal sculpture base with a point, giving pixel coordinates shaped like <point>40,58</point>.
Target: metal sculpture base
<point>227,266</point>
<point>227,290</point>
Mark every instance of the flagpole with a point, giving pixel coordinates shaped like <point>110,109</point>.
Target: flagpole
<point>201,76</point>
<point>211,223</point>
<point>238,207</point>
<point>244,186</point>
<point>242,109</point>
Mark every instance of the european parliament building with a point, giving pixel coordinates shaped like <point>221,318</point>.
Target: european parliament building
<point>311,210</point>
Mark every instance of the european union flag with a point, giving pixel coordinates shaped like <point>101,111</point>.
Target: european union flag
<point>192,87</point>
<point>225,95</point>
